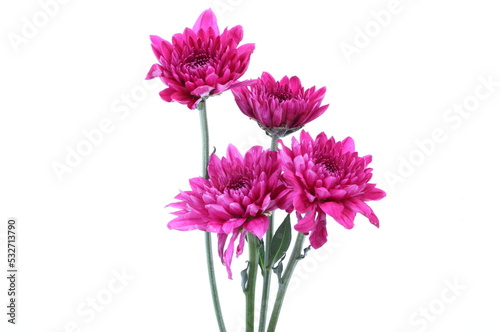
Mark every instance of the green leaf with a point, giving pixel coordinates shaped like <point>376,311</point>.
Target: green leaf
<point>262,257</point>
<point>281,241</point>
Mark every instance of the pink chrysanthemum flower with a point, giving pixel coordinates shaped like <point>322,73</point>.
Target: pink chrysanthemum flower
<point>236,199</point>
<point>328,178</point>
<point>200,62</point>
<point>280,107</point>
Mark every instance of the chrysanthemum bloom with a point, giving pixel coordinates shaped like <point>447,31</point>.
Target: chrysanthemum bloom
<point>328,178</point>
<point>280,107</point>
<point>236,199</point>
<point>200,62</point>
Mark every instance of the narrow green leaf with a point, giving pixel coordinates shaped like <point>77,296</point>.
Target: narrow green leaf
<point>262,257</point>
<point>281,241</point>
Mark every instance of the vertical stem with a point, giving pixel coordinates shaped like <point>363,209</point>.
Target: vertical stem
<point>294,259</point>
<point>208,240</point>
<point>253,244</point>
<point>202,107</point>
<point>267,265</point>
<point>274,142</point>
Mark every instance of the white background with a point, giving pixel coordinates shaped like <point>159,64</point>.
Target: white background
<point>107,216</point>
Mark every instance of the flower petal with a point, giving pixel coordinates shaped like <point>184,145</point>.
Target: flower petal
<point>307,223</point>
<point>155,71</point>
<point>206,20</point>
<point>227,256</point>
<point>374,195</point>
<point>202,91</point>
<point>257,226</point>
<point>319,235</point>
<point>333,209</point>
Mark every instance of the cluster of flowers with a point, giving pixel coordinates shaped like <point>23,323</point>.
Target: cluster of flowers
<point>315,177</point>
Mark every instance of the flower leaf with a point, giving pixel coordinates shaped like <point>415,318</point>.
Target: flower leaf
<point>262,256</point>
<point>281,241</point>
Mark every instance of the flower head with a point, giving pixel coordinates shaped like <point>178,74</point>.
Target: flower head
<point>236,199</point>
<point>200,62</point>
<point>280,107</point>
<point>328,178</point>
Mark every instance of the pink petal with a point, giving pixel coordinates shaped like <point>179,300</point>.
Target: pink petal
<point>347,219</point>
<point>155,71</point>
<point>241,243</point>
<point>222,237</point>
<point>319,236</point>
<point>236,209</point>
<point>333,209</point>
<point>202,91</point>
<point>340,213</point>
<point>243,84</point>
<point>295,84</point>
<point>348,145</point>
<point>232,225</point>
<point>374,195</point>
<point>358,205</point>
<point>233,154</point>
<point>167,94</point>
<point>236,33</point>
<point>246,50</point>
<point>185,223</point>
<point>307,223</point>
<point>217,211</point>
<point>156,42</point>
<point>206,20</point>
<point>228,254</point>
<point>301,203</point>
<point>257,226</point>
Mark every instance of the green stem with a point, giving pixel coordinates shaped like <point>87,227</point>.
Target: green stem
<point>267,264</point>
<point>208,239</point>
<point>267,278</point>
<point>253,244</point>
<point>292,263</point>
<point>202,107</point>
<point>274,142</point>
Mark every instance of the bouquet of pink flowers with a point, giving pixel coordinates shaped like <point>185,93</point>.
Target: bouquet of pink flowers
<point>237,194</point>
